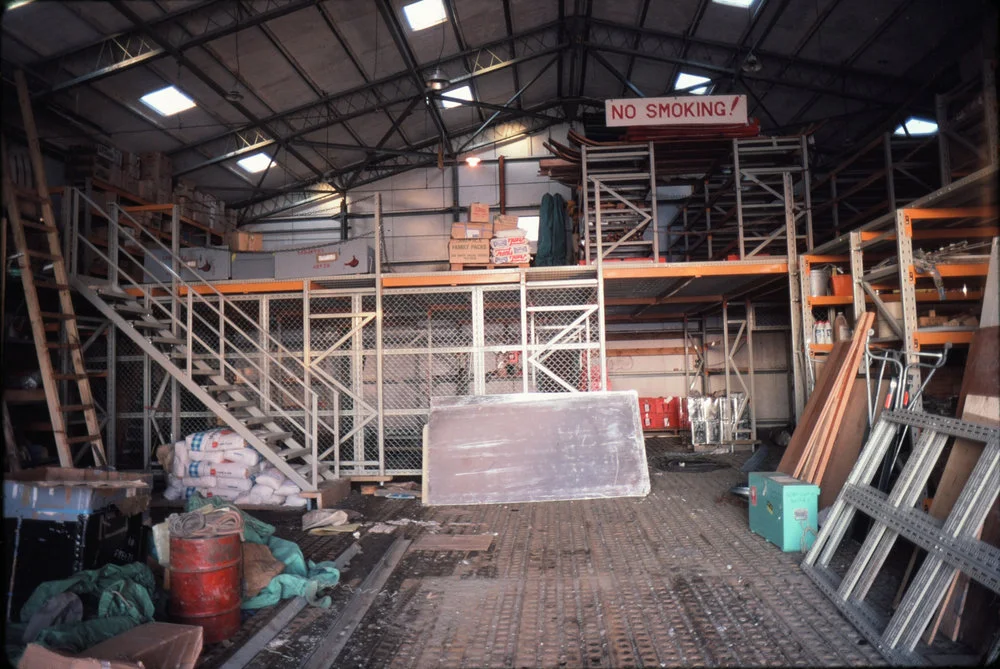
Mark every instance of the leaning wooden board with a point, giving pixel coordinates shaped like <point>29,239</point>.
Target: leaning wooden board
<point>829,425</point>
<point>980,403</point>
<point>810,414</point>
<point>537,447</point>
<point>850,438</point>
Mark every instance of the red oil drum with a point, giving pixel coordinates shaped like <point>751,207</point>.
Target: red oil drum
<point>205,578</point>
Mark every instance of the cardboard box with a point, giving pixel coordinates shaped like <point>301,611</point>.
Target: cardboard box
<point>245,241</point>
<point>471,230</point>
<point>479,212</point>
<point>504,222</point>
<point>470,251</point>
<point>155,165</point>
<point>149,646</point>
<point>351,257</point>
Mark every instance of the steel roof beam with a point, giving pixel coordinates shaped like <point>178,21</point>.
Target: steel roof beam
<point>398,88</point>
<point>332,25</point>
<point>902,7</point>
<point>631,61</point>
<point>802,73</point>
<point>509,23</point>
<point>260,208</point>
<point>182,60</point>
<point>406,53</point>
<point>449,10</point>
<point>125,51</point>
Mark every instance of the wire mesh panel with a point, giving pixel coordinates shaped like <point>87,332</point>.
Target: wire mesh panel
<point>563,337</point>
<point>427,348</point>
<point>541,336</point>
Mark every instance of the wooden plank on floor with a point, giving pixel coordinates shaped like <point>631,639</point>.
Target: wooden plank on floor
<point>326,653</point>
<point>453,542</point>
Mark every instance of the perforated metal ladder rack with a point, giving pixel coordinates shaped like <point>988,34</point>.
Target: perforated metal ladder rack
<point>166,323</point>
<point>951,545</point>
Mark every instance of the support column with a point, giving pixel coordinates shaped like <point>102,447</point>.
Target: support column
<point>908,296</point>
<point>795,299</point>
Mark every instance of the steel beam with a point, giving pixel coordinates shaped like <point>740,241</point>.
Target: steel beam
<point>800,73</point>
<point>343,106</point>
<point>124,51</point>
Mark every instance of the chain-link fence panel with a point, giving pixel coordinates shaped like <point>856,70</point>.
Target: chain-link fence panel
<point>446,341</point>
<point>563,337</point>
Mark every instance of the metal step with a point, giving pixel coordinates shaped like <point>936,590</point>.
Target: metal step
<point>274,436</point>
<point>223,388</point>
<point>152,325</point>
<point>132,308</point>
<point>205,372</point>
<point>173,341</point>
<point>255,420</point>
<point>238,404</point>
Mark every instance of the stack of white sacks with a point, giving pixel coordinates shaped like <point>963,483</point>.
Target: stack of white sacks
<point>219,463</point>
<point>510,246</point>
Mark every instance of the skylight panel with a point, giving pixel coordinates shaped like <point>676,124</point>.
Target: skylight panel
<point>745,4</point>
<point>684,80</point>
<point>258,162</point>
<point>424,14</point>
<point>463,92</point>
<point>167,101</point>
<point>916,126</point>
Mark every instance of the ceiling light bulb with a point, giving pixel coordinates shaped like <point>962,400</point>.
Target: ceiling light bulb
<point>473,160</point>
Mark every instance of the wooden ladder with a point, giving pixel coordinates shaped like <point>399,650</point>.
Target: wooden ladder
<point>63,320</point>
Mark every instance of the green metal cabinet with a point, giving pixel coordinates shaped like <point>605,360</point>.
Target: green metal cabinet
<point>783,510</point>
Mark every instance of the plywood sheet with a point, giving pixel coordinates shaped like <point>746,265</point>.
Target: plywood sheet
<point>453,542</point>
<point>532,448</point>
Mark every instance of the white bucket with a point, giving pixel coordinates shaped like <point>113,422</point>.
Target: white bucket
<point>895,309</point>
<point>819,282</point>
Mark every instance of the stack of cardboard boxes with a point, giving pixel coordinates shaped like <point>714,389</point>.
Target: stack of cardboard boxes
<point>480,242</point>
<point>509,244</point>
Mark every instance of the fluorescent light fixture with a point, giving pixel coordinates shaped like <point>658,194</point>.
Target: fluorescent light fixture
<point>530,226</point>
<point>917,126</point>
<point>473,161</point>
<point>167,101</point>
<point>258,162</point>
<point>424,14</point>
<point>745,4</point>
<point>685,80</point>
<point>463,92</point>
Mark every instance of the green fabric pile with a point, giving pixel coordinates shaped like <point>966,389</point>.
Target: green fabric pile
<point>301,578</point>
<point>116,598</point>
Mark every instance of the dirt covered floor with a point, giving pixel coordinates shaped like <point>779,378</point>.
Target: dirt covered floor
<point>675,578</point>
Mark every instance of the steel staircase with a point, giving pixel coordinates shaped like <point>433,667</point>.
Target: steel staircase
<point>187,326</point>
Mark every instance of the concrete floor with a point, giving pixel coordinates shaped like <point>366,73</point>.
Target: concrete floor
<point>675,578</point>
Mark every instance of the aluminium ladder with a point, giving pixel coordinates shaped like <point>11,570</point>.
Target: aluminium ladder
<point>952,546</point>
<point>44,246</point>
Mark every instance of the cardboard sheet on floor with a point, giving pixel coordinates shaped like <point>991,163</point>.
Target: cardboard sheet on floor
<point>499,449</point>
<point>149,646</point>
